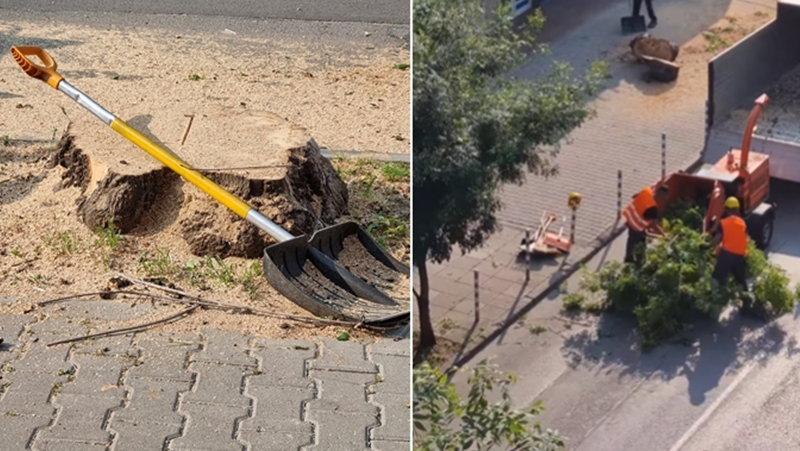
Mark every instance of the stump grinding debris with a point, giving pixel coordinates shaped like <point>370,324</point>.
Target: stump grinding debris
<point>356,259</point>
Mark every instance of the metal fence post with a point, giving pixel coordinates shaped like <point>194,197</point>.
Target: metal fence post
<point>663,156</point>
<point>527,254</point>
<point>619,194</point>
<point>477,290</point>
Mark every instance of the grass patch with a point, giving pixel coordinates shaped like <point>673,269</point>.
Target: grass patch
<point>62,243</point>
<point>194,77</point>
<point>379,198</point>
<point>157,264</point>
<point>109,237</point>
<point>395,172</point>
<point>537,329</point>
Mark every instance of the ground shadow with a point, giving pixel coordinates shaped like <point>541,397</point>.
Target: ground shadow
<point>704,355</point>
<point>8,95</point>
<point>13,38</point>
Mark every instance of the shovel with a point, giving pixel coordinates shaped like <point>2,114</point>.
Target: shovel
<point>340,272</point>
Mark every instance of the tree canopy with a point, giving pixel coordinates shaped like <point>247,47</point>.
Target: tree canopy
<point>475,128</point>
<point>444,421</point>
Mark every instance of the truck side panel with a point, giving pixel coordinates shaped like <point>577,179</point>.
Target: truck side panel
<point>737,76</point>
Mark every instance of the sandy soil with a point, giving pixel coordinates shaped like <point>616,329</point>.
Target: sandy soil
<point>344,102</point>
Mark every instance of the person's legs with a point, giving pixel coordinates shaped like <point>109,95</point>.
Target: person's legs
<point>651,12</point>
<point>637,7</point>
<point>739,271</point>
<point>634,247</point>
<point>722,268</point>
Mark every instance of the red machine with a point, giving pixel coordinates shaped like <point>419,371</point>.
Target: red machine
<point>740,173</point>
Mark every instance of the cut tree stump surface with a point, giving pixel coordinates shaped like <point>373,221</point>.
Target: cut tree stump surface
<point>258,156</point>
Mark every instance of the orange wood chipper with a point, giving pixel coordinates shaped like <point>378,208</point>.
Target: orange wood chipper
<point>740,173</point>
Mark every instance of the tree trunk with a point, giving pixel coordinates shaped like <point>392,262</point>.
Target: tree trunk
<point>427,337</point>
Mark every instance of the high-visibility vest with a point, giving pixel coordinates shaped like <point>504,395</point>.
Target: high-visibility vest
<point>634,213</point>
<point>734,235</point>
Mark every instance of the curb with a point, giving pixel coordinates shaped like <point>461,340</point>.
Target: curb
<point>599,244</point>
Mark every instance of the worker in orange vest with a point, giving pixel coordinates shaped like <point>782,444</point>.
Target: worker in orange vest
<point>731,239</point>
<point>640,215</point>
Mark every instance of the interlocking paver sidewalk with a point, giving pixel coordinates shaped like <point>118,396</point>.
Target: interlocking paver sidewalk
<point>208,390</point>
<point>625,135</point>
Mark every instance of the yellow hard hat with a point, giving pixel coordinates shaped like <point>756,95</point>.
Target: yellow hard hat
<point>732,203</point>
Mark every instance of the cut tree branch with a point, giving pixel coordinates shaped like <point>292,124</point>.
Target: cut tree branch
<point>139,328</point>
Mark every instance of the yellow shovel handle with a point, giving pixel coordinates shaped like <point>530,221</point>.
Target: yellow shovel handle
<point>46,73</point>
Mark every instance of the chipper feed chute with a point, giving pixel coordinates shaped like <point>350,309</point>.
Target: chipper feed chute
<point>313,273</point>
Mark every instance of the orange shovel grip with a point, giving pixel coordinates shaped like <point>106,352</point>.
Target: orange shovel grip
<point>46,73</point>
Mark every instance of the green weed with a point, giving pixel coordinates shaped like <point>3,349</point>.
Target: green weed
<point>157,264</point>
<point>383,228</point>
<point>62,243</point>
<point>39,279</point>
<point>251,277</point>
<point>216,269</point>
<point>395,172</point>
<point>109,236</point>
<point>537,329</point>
<point>194,77</point>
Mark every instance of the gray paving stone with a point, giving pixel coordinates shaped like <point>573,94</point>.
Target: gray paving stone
<point>284,365</point>
<point>118,345</point>
<point>224,347</point>
<point>29,393</point>
<point>108,310</point>
<point>41,359</point>
<point>390,347</point>
<point>342,356</point>
<point>395,423</point>
<point>263,343</point>
<point>342,392</point>
<point>17,431</point>
<point>80,418</point>
<point>275,405</point>
<point>338,431</point>
<point>96,375</point>
<point>388,445</point>
<point>152,401</point>
<point>72,445</point>
<point>395,374</point>
<point>209,428</point>
<point>265,439</point>
<point>218,384</point>
<point>138,436</point>
<point>165,357</point>
<point>11,327</point>
<point>53,328</point>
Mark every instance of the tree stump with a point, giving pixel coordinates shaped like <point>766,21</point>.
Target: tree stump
<point>259,157</point>
<point>661,70</point>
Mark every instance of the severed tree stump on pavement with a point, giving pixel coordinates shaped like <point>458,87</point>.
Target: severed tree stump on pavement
<point>259,157</point>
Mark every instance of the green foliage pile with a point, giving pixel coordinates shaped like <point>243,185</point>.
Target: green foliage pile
<point>674,284</point>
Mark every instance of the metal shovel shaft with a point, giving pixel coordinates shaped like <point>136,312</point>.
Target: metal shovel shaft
<point>48,74</point>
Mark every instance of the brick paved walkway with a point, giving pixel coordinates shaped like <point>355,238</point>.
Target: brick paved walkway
<point>211,390</point>
<point>625,135</point>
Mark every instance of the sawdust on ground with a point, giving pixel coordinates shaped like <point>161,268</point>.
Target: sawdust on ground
<point>357,102</point>
<point>347,102</point>
<point>46,253</point>
<point>693,60</point>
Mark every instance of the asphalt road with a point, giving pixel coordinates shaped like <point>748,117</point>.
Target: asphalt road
<point>735,387</point>
<point>372,11</point>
